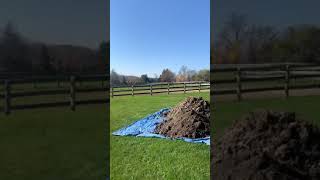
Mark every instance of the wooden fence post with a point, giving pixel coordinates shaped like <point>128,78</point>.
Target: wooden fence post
<point>112,92</point>
<point>72,93</point>
<point>151,89</point>
<point>58,83</point>
<point>34,84</point>
<point>132,90</point>
<point>184,87</point>
<point>239,84</point>
<point>7,97</point>
<point>168,88</point>
<point>199,86</point>
<point>287,81</point>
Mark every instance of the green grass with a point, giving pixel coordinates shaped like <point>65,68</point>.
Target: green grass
<point>226,112</point>
<point>54,144</point>
<point>152,158</point>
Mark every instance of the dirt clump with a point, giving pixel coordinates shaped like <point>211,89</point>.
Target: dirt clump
<point>191,119</point>
<point>267,145</point>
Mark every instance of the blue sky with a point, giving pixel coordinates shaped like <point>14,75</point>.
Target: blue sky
<point>147,36</point>
<point>80,22</point>
<point>272,12</point>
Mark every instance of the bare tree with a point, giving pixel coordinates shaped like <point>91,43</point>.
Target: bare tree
<point>241,42</point>
<point>14,53</point>
<point>145,78</point>
<point>202,75</point>
<point>259,39</point>
<point>47,61</point>
<point>167,76</point>
<point>155,77</point>
<point>233,34</point>
<point>182,74</point>
<point>234,30</point>
<point>114,78</point>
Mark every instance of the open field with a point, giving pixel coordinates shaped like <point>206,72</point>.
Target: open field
<point>54,143</point>
<point>152,158</point>
<point>225,112</point>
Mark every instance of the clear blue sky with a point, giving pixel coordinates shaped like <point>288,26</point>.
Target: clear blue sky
<point>147,36</point>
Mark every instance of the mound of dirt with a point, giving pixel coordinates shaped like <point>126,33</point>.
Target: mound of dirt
<point>267,145</point>
<point>191,119</point>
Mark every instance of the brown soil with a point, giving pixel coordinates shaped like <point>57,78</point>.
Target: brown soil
<point>191,119</point>
<point>267,145</point>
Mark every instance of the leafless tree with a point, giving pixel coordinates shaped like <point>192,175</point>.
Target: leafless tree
<point>114,78</point>
<point>241,42</point>
<point>167,76</point>
<point>14,50</point>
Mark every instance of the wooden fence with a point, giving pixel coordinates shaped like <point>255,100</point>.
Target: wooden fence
<point>8,95</point>
<point>158,88</point>
<point>284,76</point>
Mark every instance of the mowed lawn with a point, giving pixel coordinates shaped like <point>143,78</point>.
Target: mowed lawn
<point>226,112</point>
<point>153,158</point>
<point>54,143</point>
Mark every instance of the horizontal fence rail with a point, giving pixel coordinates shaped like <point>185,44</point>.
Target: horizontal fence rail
<point>283,75</point>
<point>279,77</point>
<point>72,87</point>
<point>159,88</point>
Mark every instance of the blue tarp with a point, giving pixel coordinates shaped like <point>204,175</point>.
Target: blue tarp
<point>145,128</point>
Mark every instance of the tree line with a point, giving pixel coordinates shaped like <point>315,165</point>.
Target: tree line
<point>184,75</point>
<point>18,54</point>
<point>240,41</point>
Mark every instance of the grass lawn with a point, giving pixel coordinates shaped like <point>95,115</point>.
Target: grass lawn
<point>152,158</point>
<point>226,112</point>
<point>55,143</point>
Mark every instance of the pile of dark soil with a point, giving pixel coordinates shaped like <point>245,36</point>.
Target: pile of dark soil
<point>267,145</point>
<point>191,119</point>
